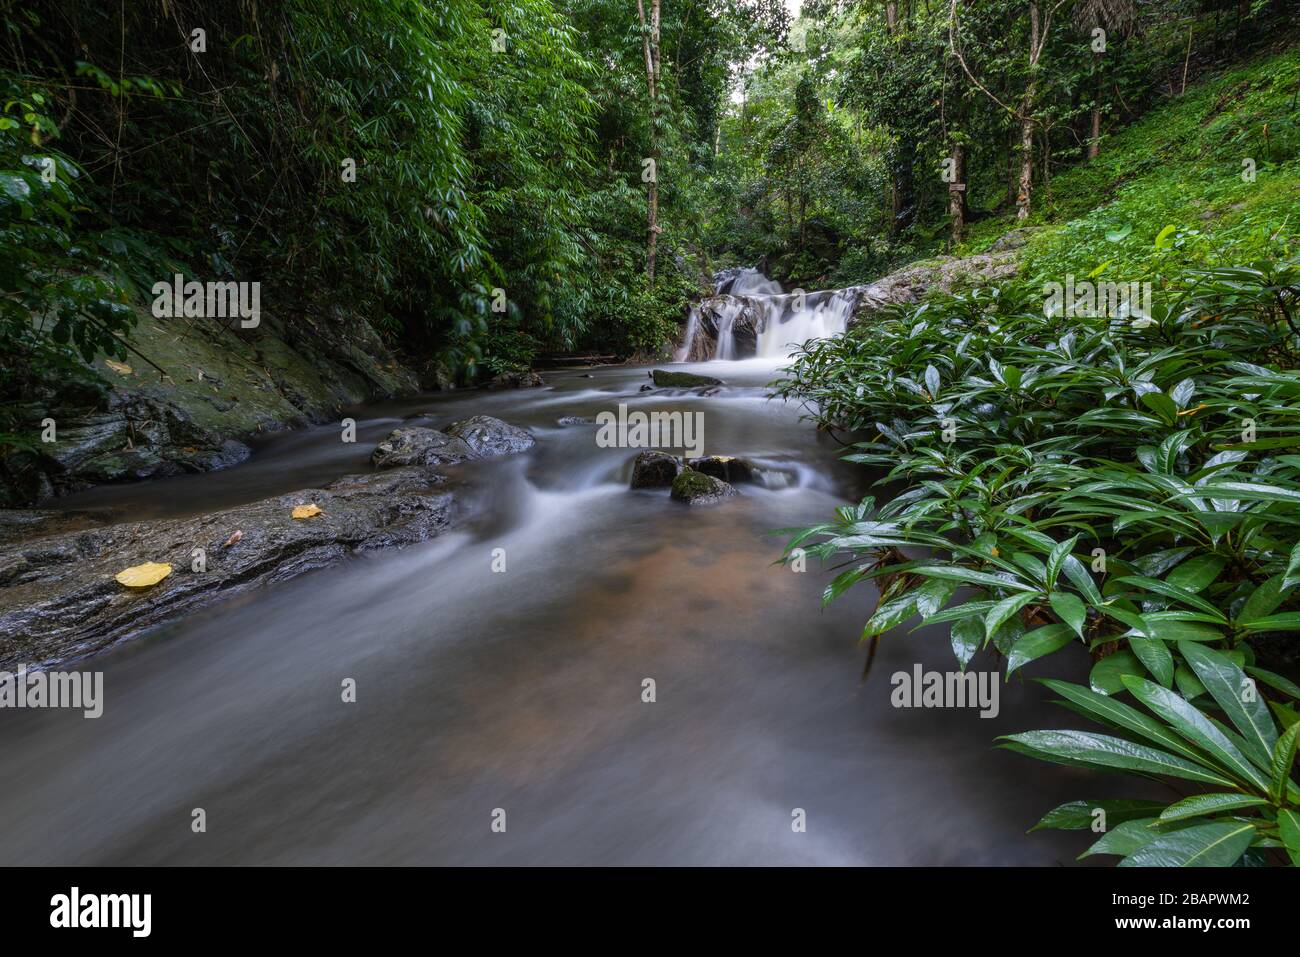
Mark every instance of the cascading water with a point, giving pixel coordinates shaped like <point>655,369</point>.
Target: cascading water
<point>726,329</point>
<point>777,322</point>
<point>792,322</point>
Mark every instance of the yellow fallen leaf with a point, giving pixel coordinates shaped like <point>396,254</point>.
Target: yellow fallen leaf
<point>119,367</point>
<point>306,511</point>
<point>142,576</point>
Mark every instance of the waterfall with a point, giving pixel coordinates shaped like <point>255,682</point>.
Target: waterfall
<point>752,316</point>
<point>793,319</point>
<point>688,341</point>
<point>727,314</point>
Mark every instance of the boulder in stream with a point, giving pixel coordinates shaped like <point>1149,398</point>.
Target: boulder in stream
<point>517,380</point>
<point>417,446</point>
<point>681,380</point>
<point>696,488</point>
<point>489,437</point>
<point>59,599</point>
<point>725,467</point>
<point>651,469</point>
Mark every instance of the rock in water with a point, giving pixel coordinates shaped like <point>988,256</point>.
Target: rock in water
<point>59,599</point>
<point>488,437</point>
<point>517,380</point>
<point>725,467</point>
<point>696,488</point>
<point>416,446</point>
<point>681,380</point>
<point>654,470</point>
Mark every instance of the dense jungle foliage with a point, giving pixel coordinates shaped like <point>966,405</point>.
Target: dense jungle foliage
<point>1119,483</point>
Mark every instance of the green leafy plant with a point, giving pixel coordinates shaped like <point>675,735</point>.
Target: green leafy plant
<point>1252,806</point>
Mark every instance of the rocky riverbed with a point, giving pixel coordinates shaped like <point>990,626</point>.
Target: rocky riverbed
<point>59,599</point>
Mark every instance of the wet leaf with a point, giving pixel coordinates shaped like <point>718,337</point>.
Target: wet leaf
<point>143,576</point>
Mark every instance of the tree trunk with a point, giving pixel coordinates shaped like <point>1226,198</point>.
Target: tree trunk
<point>650,42</point>
<point>891,16</point>
<point>957,197</point>
<point>1094,141</point>
<point>1024,193</point>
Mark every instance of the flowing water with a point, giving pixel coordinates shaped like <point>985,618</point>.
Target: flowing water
<point>522,690</point>
<point>783,320</point>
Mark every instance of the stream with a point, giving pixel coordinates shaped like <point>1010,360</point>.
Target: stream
<point>521,690</point>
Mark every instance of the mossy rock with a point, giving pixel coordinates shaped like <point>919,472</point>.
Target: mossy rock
<point>651,469</point>
<point>681,380</point>
<point>725,467</point>
<point>696,488</point>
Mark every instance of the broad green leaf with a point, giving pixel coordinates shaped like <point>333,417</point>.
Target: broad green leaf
<point>1174,629</point>
<point>1236,695</point>
<point>1161,405</point>
<point>1116,713</point>
<point>1283,759</point>
<point>1107,675</point>
<point>970,576</point>
<point>1288,826</point>
<point>1037,643</point>
<point>1057,557</point>
<point>933,595</point>
<point>1196,574</point>
<point>1167,590</point>
<point>1125,838</point>
<point>968,609</point>
<point>1081,579</point>
<point>1003,610</point>
<point>1196,728</point>
<point>1206,845</point>
<point>1275,681</point>
<point>1069,609</point>
<point>1263,601</point>
<point>1290,621</point>
<point>1189,686</point>
<point>1286,716</point>
<point>1134,620</point>
<point>1244,492</point>
<point>1080,815</point>
<point>1105,751</point>
<point>1155,656</point>
<point>891,614</point>
<point>967,636</point>
<point>1198,805</point>
<point>1292,576</point>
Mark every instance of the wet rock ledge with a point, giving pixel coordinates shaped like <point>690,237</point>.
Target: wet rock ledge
<point>59,599</point>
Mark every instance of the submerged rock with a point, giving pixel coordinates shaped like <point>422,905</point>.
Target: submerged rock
<point>725,467</point>
<point>682,380</point>
<point>517,380</point>
<point>575,420</point>
<point>417,446</point>
<point>489,437</point>
<point>59,600</point>
<point>652,469</point>
<point>696,488</point>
